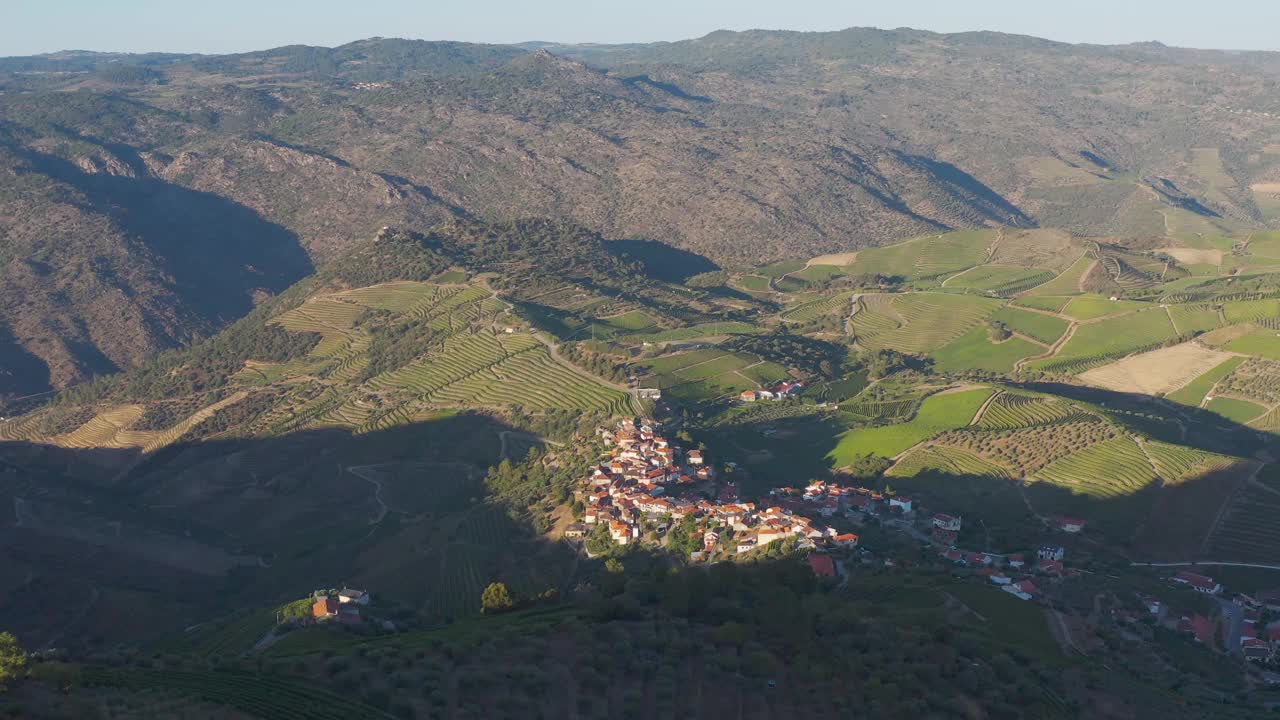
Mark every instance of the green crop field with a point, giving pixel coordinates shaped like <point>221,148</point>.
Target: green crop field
<point>926,257</point>
<point>937,413</point>
<point>1195,317</point>
<point>818,273</point>
<point>1052,303</point>
<point>1089,307</point>
<point>927,320</point>
<point>1241,411</point>
<point>838,302</point>
<point>1010,411</point>
<point>999,279</point>
<point>635,321</point>
<point>975,351</point>
<point>262,696</point>
<point>727,362</point>
<point>671,363</point>
<point>753,283</point>
<point>765,373</point>
<point>779,269</point>
<point>883,411</point>
<point>1096,343</point>
<point>1262,343</point>
<point>1045,328</point>
<point>1193,392</point>
<point>1066,283</point>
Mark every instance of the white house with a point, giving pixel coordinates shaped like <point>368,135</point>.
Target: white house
<point>348,595</point>
<point>901,502</point>
<point>1051,552</point>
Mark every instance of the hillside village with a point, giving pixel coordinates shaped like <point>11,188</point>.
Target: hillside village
<point>649,489</point>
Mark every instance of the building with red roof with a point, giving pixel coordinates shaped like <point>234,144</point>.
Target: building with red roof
<point>823,565</point>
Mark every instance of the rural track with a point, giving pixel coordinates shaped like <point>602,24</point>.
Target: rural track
<point>1053,349</point>
<point>1186,563</point>
<point>366,473</point>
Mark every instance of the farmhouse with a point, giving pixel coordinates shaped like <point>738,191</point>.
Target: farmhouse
<point>324,608</point>
<point>353,596</point>
<point>1051,552</point>
<point>901,502</point>
<point>1023,589</point>
<point>1199,583</point>
<point>1068,524</point>
<point>822,565</point>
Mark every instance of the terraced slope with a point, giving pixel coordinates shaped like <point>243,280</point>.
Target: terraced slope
<point>918,322</point>
<point>1109,469</point>
<point>1010,411</point>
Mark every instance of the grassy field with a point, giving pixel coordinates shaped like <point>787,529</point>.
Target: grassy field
<point>779,269</point>
<point>1243,311</point>
<point>925,257</point>
<point>1241,411</point>
<point>753,283</point>
<point>1045,328</point>
<point>1193,392</point>
<point>1262,343</point>
<point>937,413</point>
<point>1052,303</point>
<point>1089,307</point>
<point>1021,624</point>
<point>1097,343</point>
<point>975,351</point>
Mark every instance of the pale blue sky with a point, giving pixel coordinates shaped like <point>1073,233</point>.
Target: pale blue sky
<point>34,26</point>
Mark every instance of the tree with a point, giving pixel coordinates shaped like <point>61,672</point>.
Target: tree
<point>13,660</point>
<point>496,599</point>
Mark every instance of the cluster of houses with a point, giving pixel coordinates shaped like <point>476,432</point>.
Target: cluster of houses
<point>781,391</point>
<point>346,607</point>
<point>1013,573</point>
<point>648,478</point>
<point>1259,641</point>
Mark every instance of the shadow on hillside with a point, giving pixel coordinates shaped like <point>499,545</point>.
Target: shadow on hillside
<point>662,261</point>
<point>219,253</point>
<point>201,528</point>
<point>1168,421</point>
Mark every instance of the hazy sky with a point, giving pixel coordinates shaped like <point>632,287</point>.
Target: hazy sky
<point>34,26</point>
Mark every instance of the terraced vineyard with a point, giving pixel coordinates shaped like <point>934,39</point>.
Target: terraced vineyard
<point>952,460</point>
<point>1009,411</point>
<point>839,302</point>
<point>1198,317</point>
<point>323,315</point>
<point>1067,282</point>
<point>928,320</point>
<point>890,411</point>
<point>1244,311</point>
<point>1176,462</point>
<point>262,696</point>
<point>999,280</point>
<point>1109,469</point>
<point>497,369</point>
<point>1248,530</point>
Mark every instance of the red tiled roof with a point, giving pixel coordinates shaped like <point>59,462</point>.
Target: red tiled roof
<point>822,565</point>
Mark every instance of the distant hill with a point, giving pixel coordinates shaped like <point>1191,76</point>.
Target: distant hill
<point>128,171</point>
